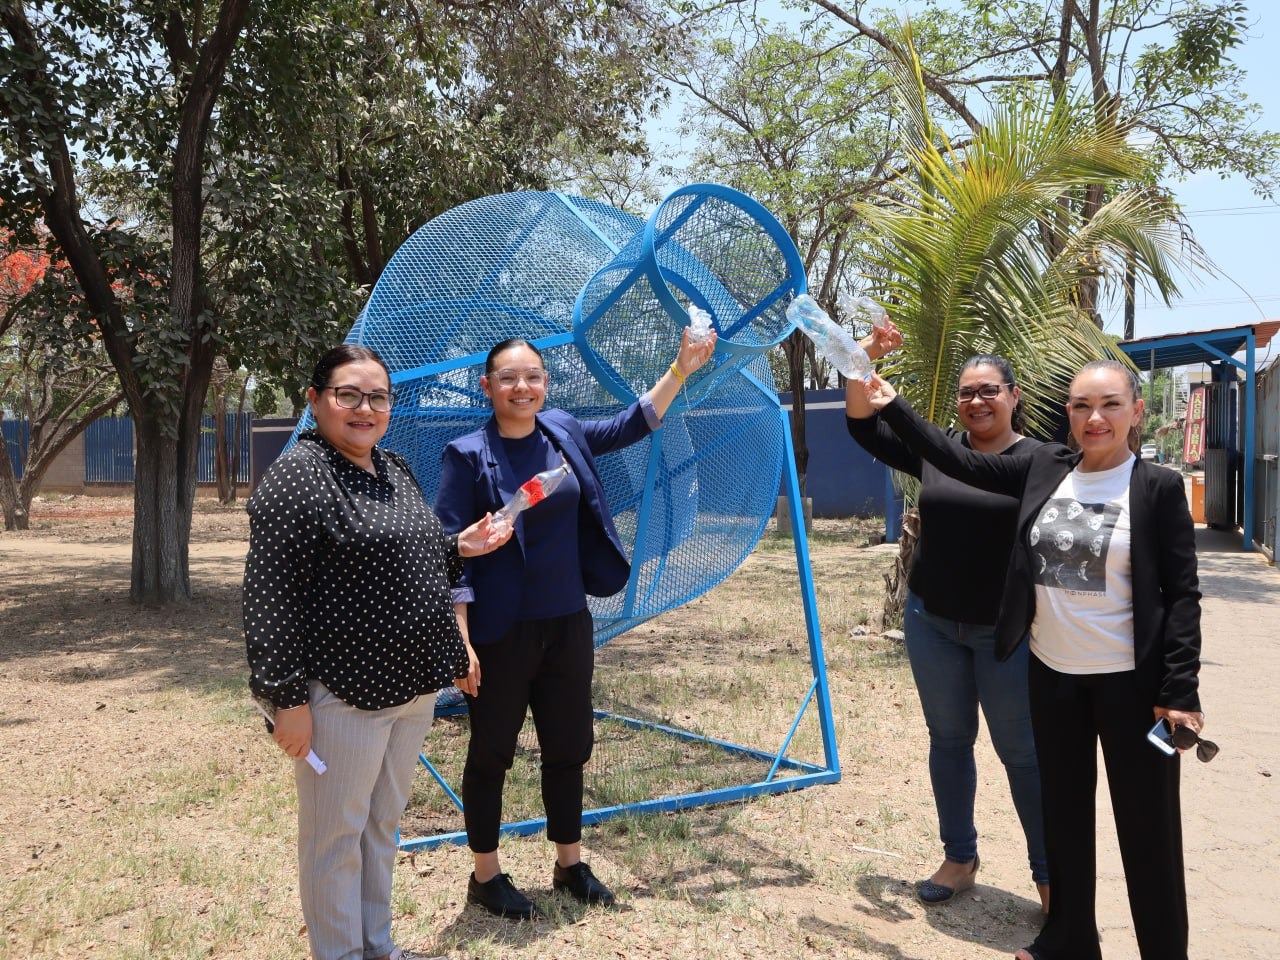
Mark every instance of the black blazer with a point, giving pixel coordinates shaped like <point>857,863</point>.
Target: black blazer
<point>1166,593</point>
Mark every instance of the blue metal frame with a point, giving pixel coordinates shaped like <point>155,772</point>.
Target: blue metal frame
<point>1146,354</point>
<point>819,693</point>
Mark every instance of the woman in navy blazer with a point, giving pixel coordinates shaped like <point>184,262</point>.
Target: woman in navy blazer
<point>1103,573</point>
<point>523,608</point>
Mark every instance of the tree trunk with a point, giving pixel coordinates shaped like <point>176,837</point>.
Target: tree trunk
<point>794,348</point>
<point>164,484</point>
<point>895,582</point>
<point>167,417</point>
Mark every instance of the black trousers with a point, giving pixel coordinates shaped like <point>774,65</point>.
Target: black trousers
<point>544,666</point>
<point>1070,714</point>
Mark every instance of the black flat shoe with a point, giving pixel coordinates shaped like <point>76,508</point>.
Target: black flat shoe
<point>501,898</point>
<point>581,884</point>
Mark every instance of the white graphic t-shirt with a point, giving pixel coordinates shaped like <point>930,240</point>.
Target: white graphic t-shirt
<point>1084,585</point>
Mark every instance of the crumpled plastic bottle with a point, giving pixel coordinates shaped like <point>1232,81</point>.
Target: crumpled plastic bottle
<point>699,325</point>
<point>533,491</point>
<point>862,310</point>
<point>832,340</point>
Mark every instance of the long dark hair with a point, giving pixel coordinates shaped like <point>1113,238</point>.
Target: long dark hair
<point>343,353</point>
<point>507,344</point>
<point>1135,390</point>
<point>1018,419</point>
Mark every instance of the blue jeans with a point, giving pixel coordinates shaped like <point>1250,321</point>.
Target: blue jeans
<point>955,670</point>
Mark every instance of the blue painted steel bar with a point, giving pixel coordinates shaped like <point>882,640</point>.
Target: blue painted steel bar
<point>422,758</point>
<point>527,828</point>
<point>820,689</point>
<point>817,658</point>
<point>786,741</point>
<point>1250,411</point>
<point>725,745</point>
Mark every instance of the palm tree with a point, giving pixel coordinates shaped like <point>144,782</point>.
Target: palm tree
<point>983,249</point>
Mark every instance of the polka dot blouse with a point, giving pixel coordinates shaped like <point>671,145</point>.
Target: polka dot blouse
<point>348,582</point>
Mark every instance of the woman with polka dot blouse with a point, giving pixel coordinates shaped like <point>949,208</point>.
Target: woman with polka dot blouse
<point>350,631</point>
<point>525,605</point>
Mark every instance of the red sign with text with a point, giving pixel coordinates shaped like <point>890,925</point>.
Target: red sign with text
<point>1193,443</point>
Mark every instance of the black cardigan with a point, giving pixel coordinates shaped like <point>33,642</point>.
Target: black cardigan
<point>1166,594</point>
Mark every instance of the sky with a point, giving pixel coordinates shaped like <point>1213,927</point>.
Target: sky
<point>1239,231</point>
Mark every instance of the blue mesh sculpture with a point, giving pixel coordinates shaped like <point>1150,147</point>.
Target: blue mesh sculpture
<point>605,296</point>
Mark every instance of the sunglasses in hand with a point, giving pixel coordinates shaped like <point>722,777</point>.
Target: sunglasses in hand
<point>1181,738</point>
<point>1184,738</point>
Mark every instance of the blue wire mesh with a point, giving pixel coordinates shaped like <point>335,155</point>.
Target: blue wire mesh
<point>604,296</point>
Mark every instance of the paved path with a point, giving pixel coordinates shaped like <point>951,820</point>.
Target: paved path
<point>1231,807</point>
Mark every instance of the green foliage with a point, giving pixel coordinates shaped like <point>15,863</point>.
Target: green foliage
<point>1163,71</point>
<point>1206,35</point>
<point>984,249</point>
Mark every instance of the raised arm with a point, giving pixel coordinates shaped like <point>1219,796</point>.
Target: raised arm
<point>688,360</point>
<point>988,471</point>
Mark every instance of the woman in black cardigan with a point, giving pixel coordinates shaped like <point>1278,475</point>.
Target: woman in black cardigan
<point>1104,575</point>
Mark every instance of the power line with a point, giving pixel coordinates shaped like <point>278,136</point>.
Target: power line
<point>1220,301</point>
<point>1256,210</point>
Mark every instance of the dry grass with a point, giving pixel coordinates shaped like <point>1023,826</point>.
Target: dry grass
<point>144,813</point>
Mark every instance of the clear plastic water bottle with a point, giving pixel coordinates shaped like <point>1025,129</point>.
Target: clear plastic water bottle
<point>832,340</point>
<point>699,325</point>
<point>862,310</point>
<point>531,492</point>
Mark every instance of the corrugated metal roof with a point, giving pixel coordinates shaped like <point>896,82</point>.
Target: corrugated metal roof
<point>1199,346</point>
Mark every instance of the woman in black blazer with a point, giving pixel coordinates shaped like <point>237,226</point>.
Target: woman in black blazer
<point>1103,574</point>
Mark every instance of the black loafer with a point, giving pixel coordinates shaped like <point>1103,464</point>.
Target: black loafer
<point>581,884</point>
<point>501,898</point>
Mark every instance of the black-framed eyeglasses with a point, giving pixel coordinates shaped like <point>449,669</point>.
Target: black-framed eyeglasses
<point>350,398</point>
<point>1184,738</point>
<point>508,377</point>
<point>987,391</point>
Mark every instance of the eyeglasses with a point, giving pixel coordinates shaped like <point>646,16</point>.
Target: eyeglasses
<point>1184,738</point>
<point>350,398</point>
<point>987,391</point>
<point>533,376</point>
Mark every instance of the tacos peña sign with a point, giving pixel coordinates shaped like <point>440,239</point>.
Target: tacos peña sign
<point>1193,442</point>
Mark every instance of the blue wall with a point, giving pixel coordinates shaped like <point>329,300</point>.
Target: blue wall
<point>17,437</point>
<point>108,448</point>
<point>844,480</point>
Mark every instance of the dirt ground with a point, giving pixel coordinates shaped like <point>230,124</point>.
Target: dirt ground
<point>94,686</point>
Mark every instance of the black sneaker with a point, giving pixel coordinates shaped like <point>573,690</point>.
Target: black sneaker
<point>582,884</point>
<point>501,898</point>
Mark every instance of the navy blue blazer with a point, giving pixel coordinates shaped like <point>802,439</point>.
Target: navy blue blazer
<point>476,478</point>
<point>1166,588</point>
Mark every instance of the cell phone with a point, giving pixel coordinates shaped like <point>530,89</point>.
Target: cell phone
<point>1161,737</point>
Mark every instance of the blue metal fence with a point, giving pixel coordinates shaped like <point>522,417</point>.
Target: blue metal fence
<point>108,448</point>
<point>17,434</point>
<point>108,451</point>
<point>208,447</point>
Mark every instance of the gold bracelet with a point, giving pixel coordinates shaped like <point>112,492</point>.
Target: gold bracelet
<point>676,371</point>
